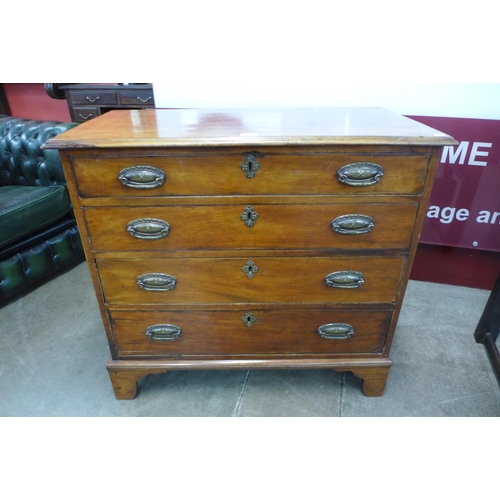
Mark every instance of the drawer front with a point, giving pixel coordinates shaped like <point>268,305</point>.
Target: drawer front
<point>83,114</point>
<point>136,97</point>
<point>222,174</point>
<point>164,333</point>
<point>96,98</point>
<point>251,226</point>
<point>239,280</point>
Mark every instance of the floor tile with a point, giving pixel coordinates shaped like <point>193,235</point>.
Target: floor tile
<point>291,393</point>
<point>53,355</point>
<point>438,369</point>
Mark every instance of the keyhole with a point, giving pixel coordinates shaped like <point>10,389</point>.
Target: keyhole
<point>250,166</point>
<point>249,319</point>
<point>250,269</point>
<point>249,216</point>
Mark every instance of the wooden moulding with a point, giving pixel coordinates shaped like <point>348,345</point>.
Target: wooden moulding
<point>125,374</point>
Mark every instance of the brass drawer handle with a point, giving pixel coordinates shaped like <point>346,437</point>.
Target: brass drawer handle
<point>156,282</point>
<point>163,332</point>
<point>148,229</point>
<point>142,177</point>
<point>90,115</point>
<point>360,174</point>
<point>345,279</point>
<point>249,216</point>
<point>144,100</point>
<point>353,224</point>
<point>336,331</point>
<point>250,166</point>
<point>92,100</point>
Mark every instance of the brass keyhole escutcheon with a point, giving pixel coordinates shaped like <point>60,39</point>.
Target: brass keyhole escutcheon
<point>250,166</point>
<point>249,319</point>
<point>249,216</point>
<point>250,269</point>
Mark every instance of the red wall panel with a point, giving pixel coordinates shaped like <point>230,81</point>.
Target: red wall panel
<point>29,100</point>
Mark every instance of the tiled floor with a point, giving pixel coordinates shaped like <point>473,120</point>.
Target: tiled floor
<point>53,354</point>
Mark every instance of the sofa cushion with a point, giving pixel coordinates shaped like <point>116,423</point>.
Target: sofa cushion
<point>27,209</point>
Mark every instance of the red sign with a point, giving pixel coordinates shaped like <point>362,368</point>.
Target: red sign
<point>464,207</point>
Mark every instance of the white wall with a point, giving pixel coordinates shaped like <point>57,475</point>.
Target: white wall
<point>461,100</point>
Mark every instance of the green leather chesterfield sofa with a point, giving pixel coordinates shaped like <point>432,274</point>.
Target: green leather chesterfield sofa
<point>38,233</point>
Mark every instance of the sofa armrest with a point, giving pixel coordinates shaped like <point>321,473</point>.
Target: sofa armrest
<point>50,172</point>
<point>22,160</point>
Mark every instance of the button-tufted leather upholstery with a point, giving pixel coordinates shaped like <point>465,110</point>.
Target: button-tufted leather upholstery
<point>39,234</point>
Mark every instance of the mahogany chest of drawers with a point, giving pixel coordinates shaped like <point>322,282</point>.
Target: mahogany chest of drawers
<point>250,238</point>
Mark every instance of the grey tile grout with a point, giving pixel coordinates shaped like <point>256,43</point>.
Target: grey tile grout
<point>341,395</point>
<point>240,396</point>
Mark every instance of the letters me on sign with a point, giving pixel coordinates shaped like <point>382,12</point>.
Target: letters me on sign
<point>464,207</point>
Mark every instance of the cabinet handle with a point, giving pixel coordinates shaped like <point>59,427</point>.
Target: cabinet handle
<point>144,100</point>
<point>250,166</point>
<point>336,331</point>
<point>148,229</point>
<point>163,332</point>
<point>345,279</point>
<point>142,177</point>
<point>85,117</point>
<point>156,282</point>
<point>360,174</point>
<point>92,100</point>
<point>353,224</point>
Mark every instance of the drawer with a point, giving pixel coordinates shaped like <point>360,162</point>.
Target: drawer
<point>221,174</point>
<point>136,97</point>
<point>97,98</point>
<point>240,280</point>
<point>83,114</point>
<point>177,333</point>
<point>275,227</point>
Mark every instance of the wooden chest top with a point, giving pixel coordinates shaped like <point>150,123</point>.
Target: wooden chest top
<point>273,127</point>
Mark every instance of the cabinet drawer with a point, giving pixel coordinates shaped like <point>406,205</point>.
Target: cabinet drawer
<point>97,98</point>
<point>275,227</point>
<point>222,174</point>
<point>136,97</point>
<point>247,280</point>
<point>177,333</point>
<point>83,114</point>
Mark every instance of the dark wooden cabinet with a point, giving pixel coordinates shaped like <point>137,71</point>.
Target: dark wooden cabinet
<point>249,238</point>
<point>87,101</point>
<point>4,105</point>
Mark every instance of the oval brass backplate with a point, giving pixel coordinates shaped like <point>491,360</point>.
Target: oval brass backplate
<point>142,177</point>
<point>156,282</point>
<point>336,331</point>
<point>360,174</point>
<point>148,229</point>
<point>163,332</point>
<point>353,224</point>
<point>345,279</point>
